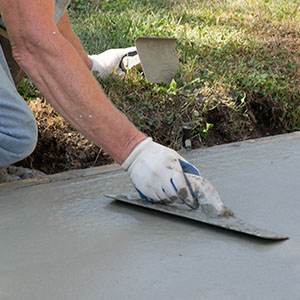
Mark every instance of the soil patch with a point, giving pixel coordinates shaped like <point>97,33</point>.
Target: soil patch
<point>62,148</point>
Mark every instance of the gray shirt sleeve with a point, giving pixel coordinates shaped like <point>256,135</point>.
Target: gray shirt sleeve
<point>60,8</point>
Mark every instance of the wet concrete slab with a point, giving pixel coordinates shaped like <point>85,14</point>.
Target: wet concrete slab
<point>60,238</point>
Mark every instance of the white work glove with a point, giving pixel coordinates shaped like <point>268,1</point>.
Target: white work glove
<point>114,61</point>
<point>160,174</point>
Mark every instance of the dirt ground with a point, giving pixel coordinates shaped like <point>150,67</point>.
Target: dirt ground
<point>61,148</point>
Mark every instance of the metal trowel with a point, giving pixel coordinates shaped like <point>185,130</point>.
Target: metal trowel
<point>157,58</point>
<point>229,222</point>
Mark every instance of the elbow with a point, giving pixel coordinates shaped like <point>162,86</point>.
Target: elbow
<point>19,55</point>
<point>29,49</point>
<point>22,53</point>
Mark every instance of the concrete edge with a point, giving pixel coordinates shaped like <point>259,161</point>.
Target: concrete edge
<point>93,171</point>
<point>68,175</point>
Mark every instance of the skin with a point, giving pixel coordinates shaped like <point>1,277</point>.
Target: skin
<point>52,56</point>
<point>65,28</point>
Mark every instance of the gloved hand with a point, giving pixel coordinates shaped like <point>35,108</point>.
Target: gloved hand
<point>114,60</point>
<point>160,174</point>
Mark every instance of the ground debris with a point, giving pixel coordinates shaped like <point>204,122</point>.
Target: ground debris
<point>13,173</point>
<point>60,147</point>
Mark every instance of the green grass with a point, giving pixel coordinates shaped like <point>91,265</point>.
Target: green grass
<point>239,57</point>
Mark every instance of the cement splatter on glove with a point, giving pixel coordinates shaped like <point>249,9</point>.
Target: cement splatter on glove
<point>160,174</point>
<point>114,61</point>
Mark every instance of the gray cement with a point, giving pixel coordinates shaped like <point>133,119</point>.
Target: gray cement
<point>64,240</point>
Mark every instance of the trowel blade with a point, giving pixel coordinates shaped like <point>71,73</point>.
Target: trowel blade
<point>230,223</point>
<point>158,58</point>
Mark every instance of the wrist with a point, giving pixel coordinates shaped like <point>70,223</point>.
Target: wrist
<point>137,150</point>
<point>90,64</point>
<point>98,65</point>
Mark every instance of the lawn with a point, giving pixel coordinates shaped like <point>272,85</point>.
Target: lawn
<point>239,65</point>
<point>240,57</point>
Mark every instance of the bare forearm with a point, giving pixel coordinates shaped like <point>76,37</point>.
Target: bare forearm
<point>62,76</point>
<point>68,85</point>
<point>65,28</point>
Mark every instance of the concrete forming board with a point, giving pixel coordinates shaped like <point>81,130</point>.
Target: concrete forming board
<point>65,240</point>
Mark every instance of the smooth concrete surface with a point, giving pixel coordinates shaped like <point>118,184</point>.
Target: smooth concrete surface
<point>65,240</point>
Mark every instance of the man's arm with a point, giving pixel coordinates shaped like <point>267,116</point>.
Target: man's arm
<point>65,28</point>
<point>105,63</point>
<point>62,76</point>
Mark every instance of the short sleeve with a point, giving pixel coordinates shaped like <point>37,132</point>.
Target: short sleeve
<point>60,8</point>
